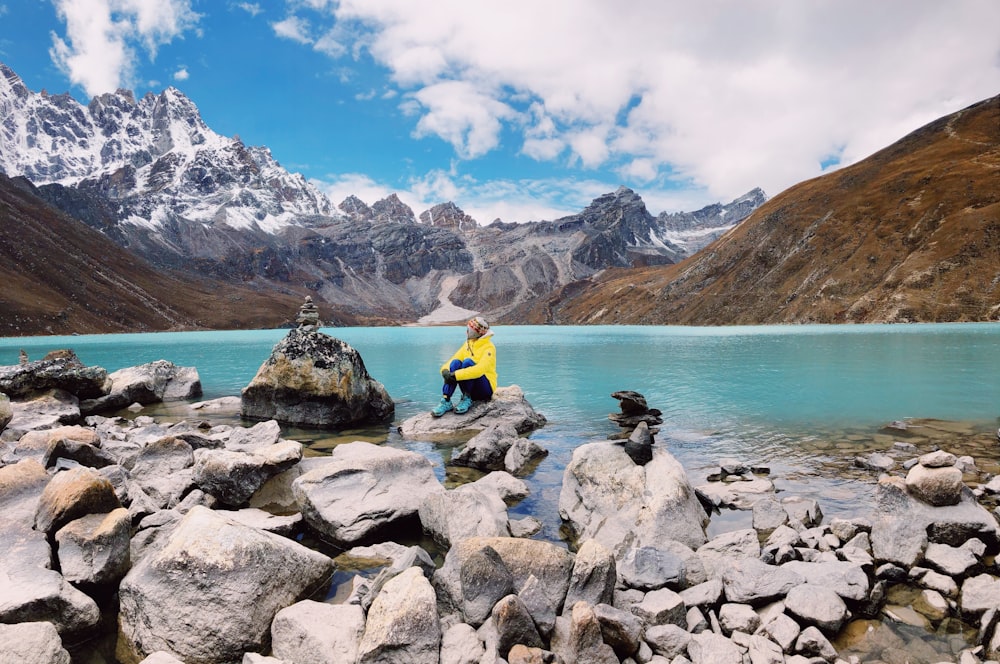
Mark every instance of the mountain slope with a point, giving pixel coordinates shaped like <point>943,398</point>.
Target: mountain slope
<point>912,233</point>
<point>59,277</point>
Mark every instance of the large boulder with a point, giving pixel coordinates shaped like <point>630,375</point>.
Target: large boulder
<point>461,513</point>
<point>314,380</point>
<point>363,489</point>
<point>607,497</point>
<point>507,407</point>
<point>32,643</point>
<point>148,383</point>
<point>94,549</point>
<point>72,494</point>
<point>46,410</point>
<point>402,624</point>
<point>318,633</point>
<point>59,370</point>
<point>210,593</point>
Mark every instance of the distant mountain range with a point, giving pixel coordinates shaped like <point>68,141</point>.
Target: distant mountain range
<point>153,178</point>
<point>133,214</point>
<point>910,234</point>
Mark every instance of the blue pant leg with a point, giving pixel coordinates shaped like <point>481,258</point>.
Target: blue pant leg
<point>478,389</point>
<point>449,388</point>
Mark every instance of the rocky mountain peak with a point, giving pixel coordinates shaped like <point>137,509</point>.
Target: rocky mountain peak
<point>448,215</point>
<point>355,208</point>
<point>391,209</point>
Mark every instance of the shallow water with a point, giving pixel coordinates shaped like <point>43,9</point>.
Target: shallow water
<point>802,400</point>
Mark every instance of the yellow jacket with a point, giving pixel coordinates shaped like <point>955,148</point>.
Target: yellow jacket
<point>483,353</point>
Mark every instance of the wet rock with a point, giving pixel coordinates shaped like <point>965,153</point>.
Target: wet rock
<point>487,450</point>
<point>402,623</point>
<point>94,549</point>
<point>737,495</point>
<point>190,597</point>
<point>32,643</point>
<point>522,454</point>
<point>73,494</point>
<point>605,496</point>
<point>317,632</point>
<point>362,489</point>
<point>876,461</point>
<point>315,380</point>
<point>634,410</point>
<point>149,383</point>
<point>950,560</point>
<point>979,594</point>
<point>508,406</point>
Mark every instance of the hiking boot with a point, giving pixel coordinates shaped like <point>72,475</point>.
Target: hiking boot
<point>443,407</point>
<point>464,405</point>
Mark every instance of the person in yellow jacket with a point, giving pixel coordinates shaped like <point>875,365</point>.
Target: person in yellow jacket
<point>473,369</point>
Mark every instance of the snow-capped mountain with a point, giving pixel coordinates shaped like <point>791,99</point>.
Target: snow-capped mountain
<point>155,157</point>
<point>153,177</point>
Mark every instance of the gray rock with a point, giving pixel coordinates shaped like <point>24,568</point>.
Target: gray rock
<point>639,446</point>
<point>362,489</point>
<point>661,607</point>
<point>461,513</point>
<point>162,469</point>
<point>812,643</point>
<point>938,459</point>
<point>528,526</point>
<point>979,594</point>
<point>762,650</point>
<point>285,526</point>
<point>783,630</point>
<point>514,625</point>
<point>847,529</point>
<point>667,640</point>
<point>485,581</point>
<point>935,485</point>
<point>768,515</point>
<point>233,477</point>
<point>950,560</point>
<point>33,592</point>
<point>487,450</point>
<point>803,510</point>
<point>606,497</point>
<point>402,623</point>
<point>876,461</point>
<point>707,594</point>
<point>6,412</point>
<point>94,549</point>
<point>650,568</point>
<point>738,618</point>
<point>750,581</point>
<point>593,577</point>
<point>508,406</point>
<point>32,643</point>
<point>522,454</point>
<point>21,487</point>
<point>254,439</point>
<point>817,605</point>
<point>846,579</point>
<point>718,554</point>
<point>190,596</point>
<point>584,642</point>
<point>153,382</point>
<point>708,647</point>
<point>739,495</point>
<point>318,633</point>
<point>59,370</point>
<point>461,645</point>
<point>72,494</point>
<point>539,605</point>
<point>508,488</point>
<point>939,583</point>
<point>696,622</point>
<point>47,410</point>
<point>620,629</point>
<point>315,380</point>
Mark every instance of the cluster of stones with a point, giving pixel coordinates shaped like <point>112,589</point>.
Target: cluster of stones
<point>180,522</point>
<point>639,423</point>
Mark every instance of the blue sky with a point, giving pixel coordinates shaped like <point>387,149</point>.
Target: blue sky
<point>528,110</point>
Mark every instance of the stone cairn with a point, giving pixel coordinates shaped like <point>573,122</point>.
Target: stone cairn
<point>639,423</point>
<point>308,318</point>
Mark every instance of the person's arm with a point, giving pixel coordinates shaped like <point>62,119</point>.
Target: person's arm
<point>485,357</point>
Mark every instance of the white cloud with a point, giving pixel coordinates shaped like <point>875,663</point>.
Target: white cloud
<point>293,27</point>
<point>182,74</point>
<point>252,8</point>
<point>724,96</point>
<point>99,49</point>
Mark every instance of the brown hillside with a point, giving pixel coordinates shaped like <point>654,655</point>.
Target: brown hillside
<point>911,233</point>
<point>58,276</point>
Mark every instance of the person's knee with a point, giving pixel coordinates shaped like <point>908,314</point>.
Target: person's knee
<point>456,365</point>
<point>468,363</point>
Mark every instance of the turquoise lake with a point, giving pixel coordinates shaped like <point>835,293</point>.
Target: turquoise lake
<point>799,399</point>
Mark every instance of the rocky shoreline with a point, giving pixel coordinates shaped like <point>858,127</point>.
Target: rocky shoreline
<point>190,535</point>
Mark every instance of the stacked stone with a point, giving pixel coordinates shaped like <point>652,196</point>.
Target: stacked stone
<point>636,418</point>
<point>308,317</point>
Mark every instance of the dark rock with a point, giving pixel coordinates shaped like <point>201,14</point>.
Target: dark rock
<point>315,380</point>
<point>639,446</point>
<point>59,370</point>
